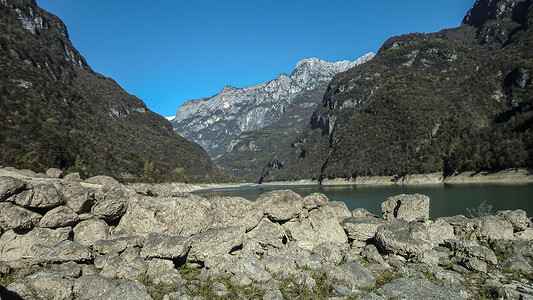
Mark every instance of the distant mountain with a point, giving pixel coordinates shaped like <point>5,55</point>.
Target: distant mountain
<point>456,100</point>
<point>56,111</point>
<point>215,122</point>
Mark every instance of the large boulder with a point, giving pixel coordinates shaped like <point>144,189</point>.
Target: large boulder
<point>93,286</point>
<point>10,186</point>
<point>362,228</point>
<point>103,180</point>
<point>415,288</point>
<point>168,215</point>
<point>54,173</point>
<point>408,238</point>
<point>44,286</point>
<point>281,205</point>
<point>469,248</point>
<point>352,275</point>
<point>60,216</point>
<point>315,200</point>
<point>493,228</point>
<point>39,196</point>
<point>81,201</point>
<point>517,218</point>
<point>118,243</point>
<point>89,231</point>
<point>266,235</point>
<point>112,202</point>
<point>61,252</point>
<point>17,218</point>
<point>406,207</point>
<point>14,246</point>
<point>165,246</point>
<point>215,242</point>
<point>336,209</point>
<point>126,291</point>
<point>318,227</point>
<point>232,211</point>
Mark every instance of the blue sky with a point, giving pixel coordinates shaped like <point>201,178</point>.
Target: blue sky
<point>166,52</point>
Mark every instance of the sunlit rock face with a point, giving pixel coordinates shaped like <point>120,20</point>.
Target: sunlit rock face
<point>214,122</point>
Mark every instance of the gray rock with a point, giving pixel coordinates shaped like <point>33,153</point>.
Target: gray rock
<point>54,173</point>
<point>362,228</point>
<point>255,270</point>
<point>240,279</point>
<point>517,218</point>
<point>165,246</point>
<point>15,246</point>
<point>352,275</point>
<point>5,269</point>
<point>162,271</point>
<point>215,242</point>
<point>471,249</point>
<point>92,287</point>
<point>232,211</point>
<point>328,252</point>
<point>103,180</point>
<point>319,227</point>
<point>407,238</point>
<point>10,186</point>
<point>111,202</point>
<point>266,235</point>
<point>73,176</point>
<point>370,253</point>
<point>336,209</point>
<point>361,212</point>
<point>406,207</point>
<point>475,264</point>
<point>493,228</point>
<point>168,215</point>
<point>342,290</point>
<point>525,235</point>
<point>89,231</point>
<point>17,218</point>
<point>128,291</point>
<point>282,267</point>
<point>517,263</point>
<point>39,196</point>
<point>315,200</point>
<point>220,289</point>
<point>116,244</point>
<point>44,286</point>
<point>273,295</point>
<point>62,252</point>
<point>81,201</point>
<point>280,205</point>
<point>60,216</point>
<point>67,269</point>
<point>415,288</point>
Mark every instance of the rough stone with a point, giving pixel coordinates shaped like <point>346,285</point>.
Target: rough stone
<point>103,180</point>
<point>471,249</point>
<point>43,285</point>
<point>220,289</point>
<point>280,205</point>
<point>169,215</point>
<point>264,236</point>
<point>89,231</point>
<point>232,211</point>
<point>362,228</point>
<point>60,216</point>
<point>240,279</point>
<point>81,201</point>
<point>128,291</point>
<point>319,227</point>
<point>73,176</point>
<point>526,235</point>
<point>406,207</point>
<point>14,246</point>
<point>475,264</point>
<point>10,186</point>
<point>415,288</point>
<point>165,246</point>
<point>361,212</point>
<point>215,242</point>
<point>111,202</point>
<point>371,254</point>
<point>61,252</point>
<point>39,196</point>
<point>273,295</point>
<point>17,218</point>
<point>352,275</point>
<point>336,209</point>
<point>54,173</point>
<point>116,244</point>
<point>493,228</point>
<point>92,287</point>
<point>283,267</point>
<point>315,200</point>
<point>517,218</point>
<point>161,271</point>
<point>517,263</point>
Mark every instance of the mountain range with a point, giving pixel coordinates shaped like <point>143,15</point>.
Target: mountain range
<point>55,111</point>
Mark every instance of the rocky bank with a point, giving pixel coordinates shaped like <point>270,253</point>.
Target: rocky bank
<point>97,239</point>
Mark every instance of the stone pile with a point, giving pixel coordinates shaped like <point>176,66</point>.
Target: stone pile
<point>98,239</point>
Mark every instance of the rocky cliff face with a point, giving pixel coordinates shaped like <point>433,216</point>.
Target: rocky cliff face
<point>456,100</point>
<point>214,122</point>
<point>56,111</point>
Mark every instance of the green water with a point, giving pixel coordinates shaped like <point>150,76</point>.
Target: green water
<point>446,200</point>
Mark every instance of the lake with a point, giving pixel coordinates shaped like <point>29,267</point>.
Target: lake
<point>446,200</point>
